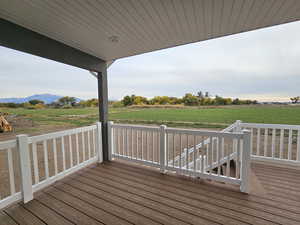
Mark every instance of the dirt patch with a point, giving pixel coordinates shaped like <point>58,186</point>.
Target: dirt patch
<point>22,125</point>
<point>19,121</point>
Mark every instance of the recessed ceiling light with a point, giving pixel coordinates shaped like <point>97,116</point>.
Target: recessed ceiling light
<point>114,39</point>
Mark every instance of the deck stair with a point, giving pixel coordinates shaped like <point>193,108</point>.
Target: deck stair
<point>205,161</point>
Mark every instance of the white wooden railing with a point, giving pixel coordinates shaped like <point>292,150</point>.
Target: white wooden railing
<point>274,142</point>
<point>50,157</point>
<point>160,146</point>
<point>235,127</point>
<point>32,163</point>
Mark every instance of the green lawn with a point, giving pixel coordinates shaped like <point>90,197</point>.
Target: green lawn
<point>214,116</point>
<point>188,117</point>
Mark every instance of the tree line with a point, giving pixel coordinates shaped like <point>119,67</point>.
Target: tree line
<point>63,102</point>
<point>189,99</point>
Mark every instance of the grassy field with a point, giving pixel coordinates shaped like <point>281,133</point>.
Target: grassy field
<point>217,117</point>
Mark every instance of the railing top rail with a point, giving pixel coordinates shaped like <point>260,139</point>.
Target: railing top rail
<point>60,133</point>
<point>271,126</point>
<point>138,127</point>
<point>231,127</point>
<point>8,144</point>
<point>206,133</point>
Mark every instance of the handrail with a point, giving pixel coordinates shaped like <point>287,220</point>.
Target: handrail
<point>206,142</point>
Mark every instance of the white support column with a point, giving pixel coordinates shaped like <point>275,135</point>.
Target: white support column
<point>99,142</point>
<point>25,166</point>
<point>110,139</point>
<point>246,162</point>
<point>162,148</point>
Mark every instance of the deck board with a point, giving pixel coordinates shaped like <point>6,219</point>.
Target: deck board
<point>123,193</point>
<point>6,220</point>
<point>23,216</point>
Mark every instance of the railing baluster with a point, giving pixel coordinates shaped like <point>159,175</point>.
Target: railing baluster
<point>212,150</point>
<point>126,143</point>
<point>273,142</point>
<point>94,141</point>
<point>290,144</point>
<point>158,146</point>
<point>35,164</point>
<point>77,148</point>
<point>223,143</point>
<point>207,155</point>
<point>63,153</point>
<point>258,142</point>
<point>251,141</point>
<point>55,156</point>
<point>180,153</point>
<point>89,144</point>
<point>281,143</point>
<point>298,145</point>
<point>167,149</point>
<point>116,140</point>
<point>173,149</point>
<point>228,161</point>
<point>142,147</point>
<point>83,145</point>
<point>137,143</point>
<point>194,157</point>
<point>146,143</point>
<point>266,142</point>
<point>162,148</point>
<point>238,153</point>
<point>202,155</point>
<point>123,141</point>
<point>210,154</point>
<point>11,172</point>
<point>152,137</point>
<point>219,154</point>
<point>71,151</point>
<point>131,132</point>
<point>187,152</point>
<point>45,148</point>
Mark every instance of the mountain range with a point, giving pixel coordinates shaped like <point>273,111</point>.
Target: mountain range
<point>46,98</point>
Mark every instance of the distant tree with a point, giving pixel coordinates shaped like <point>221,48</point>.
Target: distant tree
<point>128,100</point>
<point>295,100</point>
<point>175,101</point>
<point>160,100</point>
<point>206,94</point>
<point>200,94</point>
<point>236,102</point>
<point>36,101</point>
<point>190,100</point>
<point>39,106</point>
<point>67,101</point>
<point>140,100</point>
<point>89,103</point>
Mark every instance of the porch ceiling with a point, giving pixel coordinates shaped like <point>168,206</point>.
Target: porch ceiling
<point>112,29</point>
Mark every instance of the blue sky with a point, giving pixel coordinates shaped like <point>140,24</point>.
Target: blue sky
<point>262,65</point>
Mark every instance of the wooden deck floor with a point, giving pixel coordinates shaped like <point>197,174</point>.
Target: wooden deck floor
<point>119,193</point>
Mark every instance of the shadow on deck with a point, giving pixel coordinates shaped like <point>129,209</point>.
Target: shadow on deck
<point>122,193</point>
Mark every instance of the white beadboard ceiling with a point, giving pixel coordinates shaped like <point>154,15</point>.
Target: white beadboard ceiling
<point>112,29</point>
